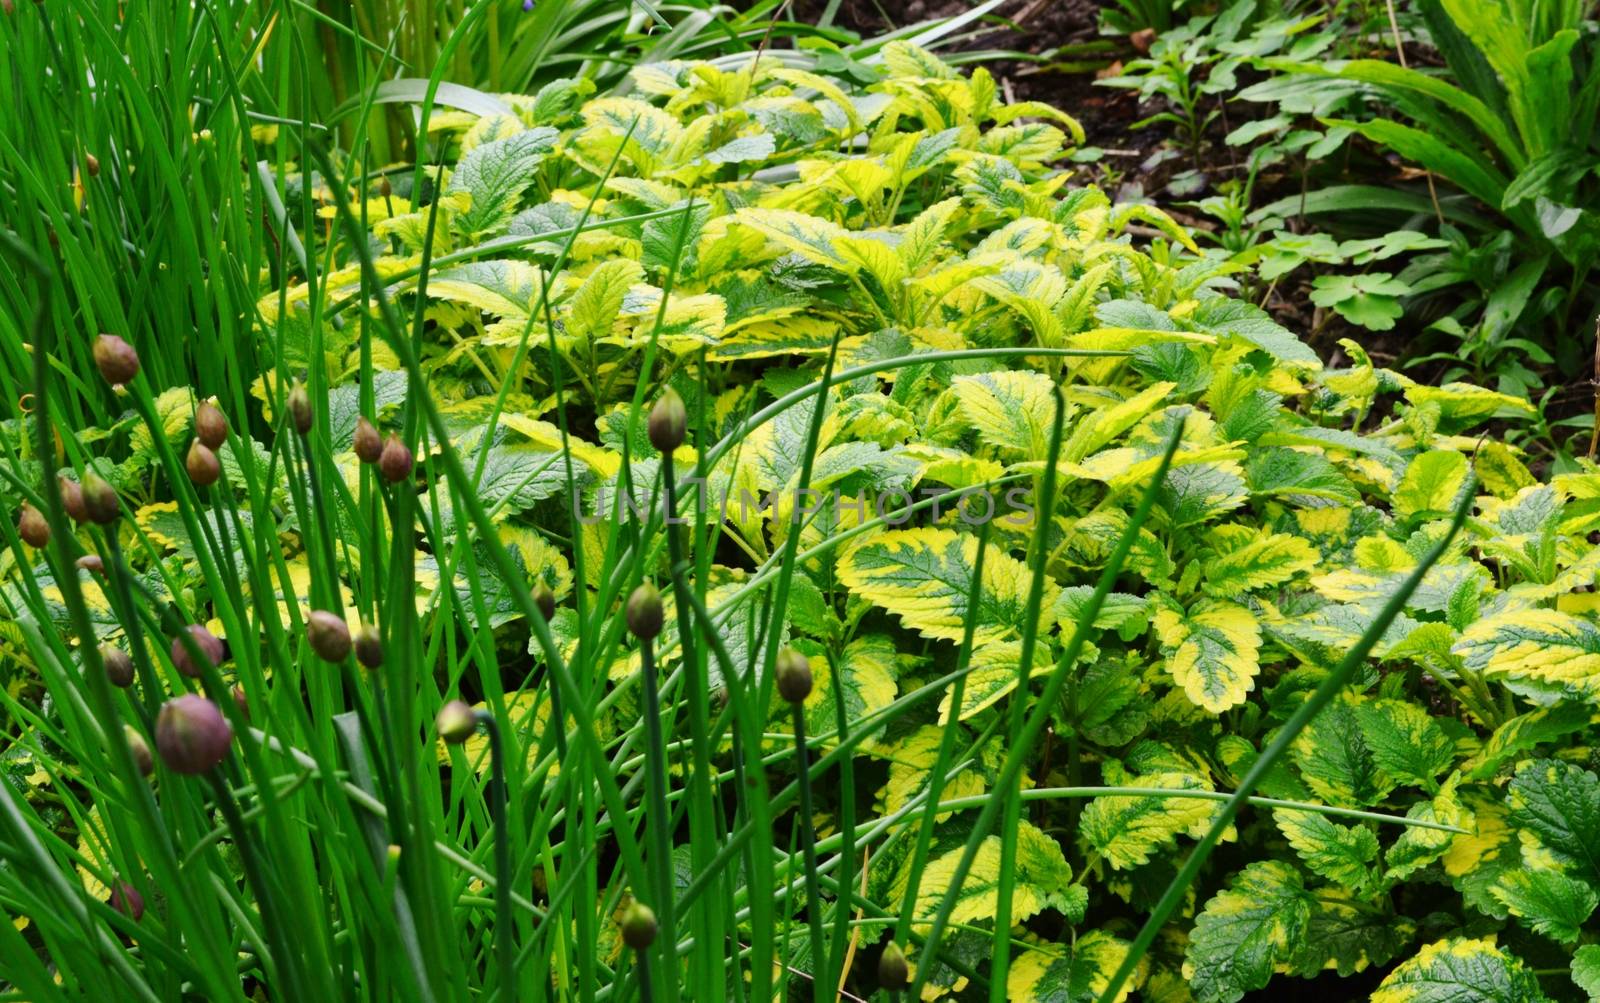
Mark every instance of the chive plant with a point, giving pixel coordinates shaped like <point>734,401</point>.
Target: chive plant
<point>269,778</point>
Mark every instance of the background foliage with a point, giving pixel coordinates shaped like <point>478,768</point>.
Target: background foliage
<point>1151,649</point>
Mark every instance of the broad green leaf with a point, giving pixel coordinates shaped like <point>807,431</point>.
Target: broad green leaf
<point>1245,931</point>
<point>1080,975</point>
<point>1586,969</point>
<point>1243,559</point>
<point>1041,880</point>
<point>1012,410</point>
<point>924,576</point>
<point>1125,830</point>
<point>495,175</point>
<point>1406,743</point>
<point>595,306</point>
<point>1341,853</point>
<point>1347,936</point>
<point>1223,315</point>
<point>1334,758</point>
<point>1417,847</point>
<point>808,236</point>
<point>1212,651</point>
<point>1460,970</point>
<point>1549,902</point>
<point>1540,645</point>
<point>1558,803</point>
<point>992,673</point>
<point>1431,485</point>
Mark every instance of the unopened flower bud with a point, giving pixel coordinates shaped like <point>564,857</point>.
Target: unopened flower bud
<point>369,646</point>
<point>208,643</point>
<point>31,526</point>
<point>794,676</point>
<point>126,899</point>
<point>544,600</point>
<point>119,666</point>
<point>384,188</point>
<point>668,422</point>
<point>240,701</point>
<point>395,460</point>
<point>203,466</point>
<point>100,500</point>
<point>329,635</point>
<point>139,749</point>
<point>299,406</point>
<point>638,926</point>
<point>117,361</point>
<point>92,564</point>
<point>210,425</point>
<point>72,498</point>
<point>643,612</point>
<point>192,736</point>
<point>366,441</point>
<point>91,165</point>
<point>893,972</point>
<point>456,722</point>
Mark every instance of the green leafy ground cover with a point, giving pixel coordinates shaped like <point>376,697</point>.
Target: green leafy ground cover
<point>1103,570</point>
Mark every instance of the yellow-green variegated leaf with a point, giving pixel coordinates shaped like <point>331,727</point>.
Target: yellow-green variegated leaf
<point>1097,428</point>
<point>1547,901</point>
<point>1126,829</point>
<point>1460,970</point>
<point>866,678</point>
<point>595,306</point>
<point>1463,400</point>
<point>1213,652</point>
<point>811,237</point>
<point>1418,847</point>
<point>1080,974</point>
<point>1431,485</point>
<point>1011,409</point>
<point>911,760</point>
<point>785,336</point>
<point>1244,559</point>
<point>992,673</point>
<point>1041,879</point>
<point>1343,854</point>
<point>1535,645</point>
<point>924,576</point>
<point>1246,930</point>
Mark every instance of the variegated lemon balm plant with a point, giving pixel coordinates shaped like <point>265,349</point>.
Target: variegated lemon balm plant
<point>768,532</point>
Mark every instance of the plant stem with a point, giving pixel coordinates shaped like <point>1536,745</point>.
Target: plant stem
<point>504,926</point>
<point>808,849</point>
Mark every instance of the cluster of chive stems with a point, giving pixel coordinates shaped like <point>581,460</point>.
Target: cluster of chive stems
<point>193,737</point>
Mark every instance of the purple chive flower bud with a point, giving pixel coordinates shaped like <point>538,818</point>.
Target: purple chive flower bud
<point>72,498</point>
<point>668,422</point>
<point>208,643</point>
<point>192,736</point>
<point>140,750</point>
<point>119,667</point>
<point>92,564</point>
<point>31,526</point>
<point>210,425</point>
<point>395,461</point>
<point>329,635</point>
<point>893,972</point>
<point>638,926</point>
<point>545,600</point>
<point>369,646</point>
<point>794,676</point>
<point>456,722</point>
<point>202,464</point>
<point>643,612</point>
<point>117,361</point>
<point>126,899</point>
<point>366,441</point>
<point>100,500</point>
